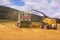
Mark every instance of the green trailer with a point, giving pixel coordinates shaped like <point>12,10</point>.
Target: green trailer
<point>24,20</point>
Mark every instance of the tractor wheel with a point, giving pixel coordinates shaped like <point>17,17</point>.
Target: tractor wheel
<point>47,26</point>
<point>54,27</point>
<point>42,26</point>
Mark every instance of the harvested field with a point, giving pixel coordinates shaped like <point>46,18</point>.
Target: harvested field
<point>8,31</point>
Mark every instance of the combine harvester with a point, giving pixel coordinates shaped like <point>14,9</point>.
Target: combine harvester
<point>27,20</point>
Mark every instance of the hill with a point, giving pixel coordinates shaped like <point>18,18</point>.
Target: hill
<point>8,13</point>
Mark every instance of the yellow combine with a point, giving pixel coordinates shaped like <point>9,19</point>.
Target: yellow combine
<point>49,23</point>
<point>30,20</point>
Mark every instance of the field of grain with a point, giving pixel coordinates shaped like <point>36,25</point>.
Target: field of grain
<point>8,31</point>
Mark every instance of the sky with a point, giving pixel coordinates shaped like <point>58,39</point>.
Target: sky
<point>49,7</point>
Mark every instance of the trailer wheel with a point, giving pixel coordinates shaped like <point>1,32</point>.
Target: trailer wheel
<point>18,25</point>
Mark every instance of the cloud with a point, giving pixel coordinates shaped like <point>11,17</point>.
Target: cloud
<point>57,15</point>
<point>5,2</point>
<point>8,3</point>
<point>49,7</point>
